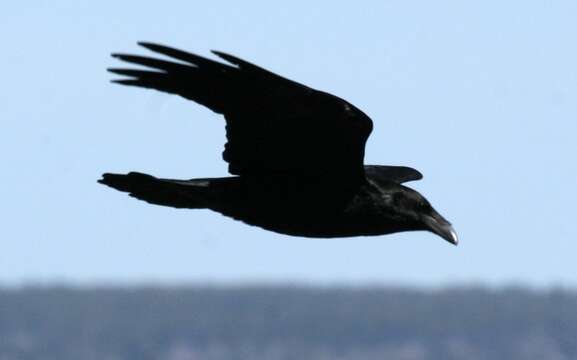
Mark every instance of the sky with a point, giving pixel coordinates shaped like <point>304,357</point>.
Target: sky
<point>480,96</point>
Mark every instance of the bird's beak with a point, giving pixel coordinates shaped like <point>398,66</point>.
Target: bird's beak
<point>437,224</point>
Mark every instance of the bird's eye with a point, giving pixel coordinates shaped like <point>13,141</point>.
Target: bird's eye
<point>424,205</point>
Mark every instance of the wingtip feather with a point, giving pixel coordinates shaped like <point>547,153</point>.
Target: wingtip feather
<point>231,59</point>
<point>133,82</point>
<point>150,45</point>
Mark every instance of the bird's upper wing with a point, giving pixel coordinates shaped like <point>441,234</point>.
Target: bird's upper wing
<point>273,125</point>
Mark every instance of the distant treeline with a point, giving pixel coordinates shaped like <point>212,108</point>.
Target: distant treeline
<point>278,323</point>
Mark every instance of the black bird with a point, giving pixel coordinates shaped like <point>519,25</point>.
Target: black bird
<point>296,153</point>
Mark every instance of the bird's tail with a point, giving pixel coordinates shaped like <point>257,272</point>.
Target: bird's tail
<point>190,194</point>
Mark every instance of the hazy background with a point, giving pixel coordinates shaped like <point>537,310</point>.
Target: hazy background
<point>480,96</point>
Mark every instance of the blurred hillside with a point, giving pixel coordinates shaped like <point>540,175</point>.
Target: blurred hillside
<point>282,323</point>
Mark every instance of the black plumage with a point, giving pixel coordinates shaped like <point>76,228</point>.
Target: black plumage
<point>296,153</point>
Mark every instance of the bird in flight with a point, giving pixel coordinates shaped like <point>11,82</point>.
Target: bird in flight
<point>296,154</point>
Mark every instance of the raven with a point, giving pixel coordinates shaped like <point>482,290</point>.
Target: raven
<point>296,153</point>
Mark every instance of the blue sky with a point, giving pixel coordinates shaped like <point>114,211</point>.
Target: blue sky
<point>480,96</point>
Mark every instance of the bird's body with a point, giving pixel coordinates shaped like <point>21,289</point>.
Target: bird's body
<point>296,153</point>
<point>313,208</point>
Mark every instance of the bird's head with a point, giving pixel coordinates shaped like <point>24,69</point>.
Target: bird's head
<point>417,211</point>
